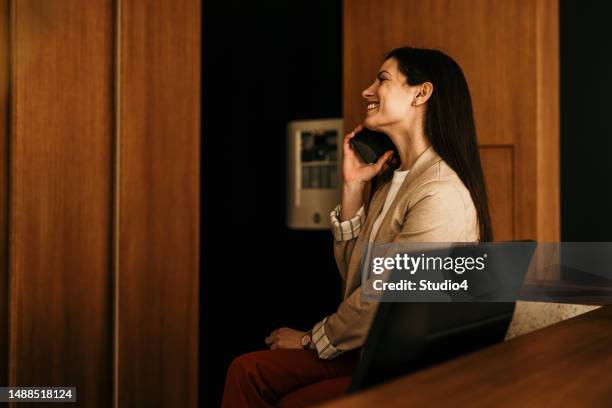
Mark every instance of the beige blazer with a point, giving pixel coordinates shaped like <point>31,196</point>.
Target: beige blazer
<point>432,205</point>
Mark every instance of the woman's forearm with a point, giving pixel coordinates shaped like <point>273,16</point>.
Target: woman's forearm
<point>352,199</point>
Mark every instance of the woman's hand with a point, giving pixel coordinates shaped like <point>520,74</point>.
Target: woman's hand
<point>355,171</point>
<point>285,338</point>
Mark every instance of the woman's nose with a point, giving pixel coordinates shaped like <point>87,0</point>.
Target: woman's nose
<point>367,92</point>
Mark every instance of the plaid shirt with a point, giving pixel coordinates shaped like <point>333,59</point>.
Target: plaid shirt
<point>349,229</point>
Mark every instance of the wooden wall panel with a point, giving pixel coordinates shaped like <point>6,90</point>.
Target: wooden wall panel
<point>548,123</point>
<point>4,128</point>
<point>61,196</point>
<point>508,52</point>
<point>158,183</point>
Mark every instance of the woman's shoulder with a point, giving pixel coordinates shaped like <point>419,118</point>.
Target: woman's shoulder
<point>443,182</point>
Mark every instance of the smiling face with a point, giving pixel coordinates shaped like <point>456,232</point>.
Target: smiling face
<point>389,99</point>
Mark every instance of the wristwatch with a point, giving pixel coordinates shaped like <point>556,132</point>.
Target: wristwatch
<point>306,340</point>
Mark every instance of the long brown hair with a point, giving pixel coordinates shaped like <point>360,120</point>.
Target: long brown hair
<point>449,121</point>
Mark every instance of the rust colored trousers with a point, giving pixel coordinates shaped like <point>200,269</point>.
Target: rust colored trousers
<point>286,378</point>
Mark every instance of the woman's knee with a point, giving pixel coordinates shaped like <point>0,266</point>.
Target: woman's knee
<point>244,385</point>
<point>245,364</point>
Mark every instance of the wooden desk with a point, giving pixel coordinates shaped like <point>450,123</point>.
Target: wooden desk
<point>566,364</point>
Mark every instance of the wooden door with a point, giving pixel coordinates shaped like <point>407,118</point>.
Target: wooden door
<point>99,198</point>
<point>158,201</point>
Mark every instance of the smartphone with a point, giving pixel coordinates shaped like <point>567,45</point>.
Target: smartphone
<point>370,145</point>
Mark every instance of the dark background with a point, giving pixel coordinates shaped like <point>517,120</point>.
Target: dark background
<point>269,62</point>
<point>586,129</point>
<point>265,63</point>
<point>586,126</point>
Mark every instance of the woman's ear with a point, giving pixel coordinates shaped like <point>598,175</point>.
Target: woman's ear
<point>424,93</point>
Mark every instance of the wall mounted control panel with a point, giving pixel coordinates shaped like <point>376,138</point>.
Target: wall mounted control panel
<point>313,161</point>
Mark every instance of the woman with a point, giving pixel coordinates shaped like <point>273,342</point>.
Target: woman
<point>421,100</point>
